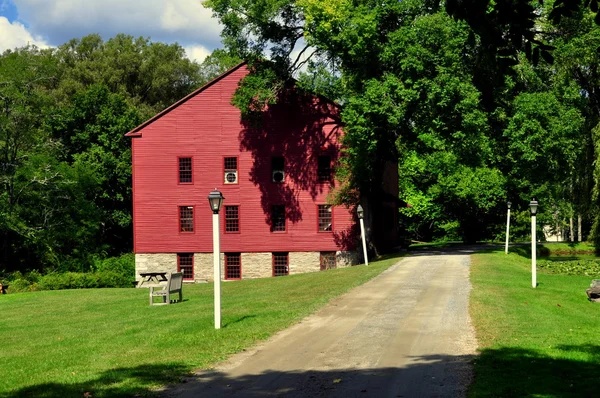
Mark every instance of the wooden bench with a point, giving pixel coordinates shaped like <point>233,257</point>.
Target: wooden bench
<point>174,285</point>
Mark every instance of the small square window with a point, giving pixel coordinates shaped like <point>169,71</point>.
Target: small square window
<point>232,219</point>
<point>230,164</point>
<point>328,260</point>
<point>277,218</point>
<point>325,218</point>
<point>185,171</point>
<point>233,266</point>
<point>281,264</point>
<point>185,264</point>
<point>186,219</point>
<point>324,169</point>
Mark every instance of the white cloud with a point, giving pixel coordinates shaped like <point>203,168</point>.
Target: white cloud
<point>184,21</point>
<point>14,35</point>
<point>197,53</point>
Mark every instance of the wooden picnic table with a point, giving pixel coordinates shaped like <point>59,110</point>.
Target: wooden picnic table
<point>152,279</point>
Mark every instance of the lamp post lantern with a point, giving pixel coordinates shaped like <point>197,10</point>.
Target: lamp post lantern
<point>215,199</point>
<point>361,214</point>
<point>507,226</point>
<point>533,205</point>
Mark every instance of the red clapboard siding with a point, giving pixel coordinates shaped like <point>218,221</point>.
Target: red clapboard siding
<point>207,127</point>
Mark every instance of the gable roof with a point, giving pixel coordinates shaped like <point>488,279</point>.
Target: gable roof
<point>136,131</point>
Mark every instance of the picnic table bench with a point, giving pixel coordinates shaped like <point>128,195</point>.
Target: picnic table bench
<point>152,279</point>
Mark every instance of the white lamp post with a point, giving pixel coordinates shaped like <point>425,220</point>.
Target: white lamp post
<point>361,214</point>
<point>533,205</point>
<point>507,226</point>
<point>215,199</point>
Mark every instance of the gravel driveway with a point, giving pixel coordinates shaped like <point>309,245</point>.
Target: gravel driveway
<point>406,333</point>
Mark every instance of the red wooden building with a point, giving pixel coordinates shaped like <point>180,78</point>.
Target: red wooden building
<point>275,179</point>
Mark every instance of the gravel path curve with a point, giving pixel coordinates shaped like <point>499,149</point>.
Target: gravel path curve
<point>406,333</point>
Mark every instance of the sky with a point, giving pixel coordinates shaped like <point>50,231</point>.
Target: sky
<point>49,23</point>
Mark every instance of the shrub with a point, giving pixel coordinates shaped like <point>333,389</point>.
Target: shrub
<point>19,285</point>
<point>110,272</point>
<point>574,267</point>
<point>124,265</point>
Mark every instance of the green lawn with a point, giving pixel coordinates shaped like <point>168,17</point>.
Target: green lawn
<point>542,342</point>
<point>110,342</point>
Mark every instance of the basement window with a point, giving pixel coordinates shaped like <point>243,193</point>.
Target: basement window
<point>281,264</point>
<point>185,264</point>
<point>233,266</point>
<point>328,261</point>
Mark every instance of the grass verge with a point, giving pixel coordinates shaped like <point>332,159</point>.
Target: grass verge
<point>110,342</point>
<point>539,342</point>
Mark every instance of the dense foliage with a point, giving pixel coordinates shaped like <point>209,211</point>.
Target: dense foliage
<point>65,164</point>
<point>478,102</point>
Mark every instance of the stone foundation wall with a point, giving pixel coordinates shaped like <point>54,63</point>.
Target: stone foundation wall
<point>303,262</point>
<point>257,265</point>
<point>155,262</point>
<point>254,265</point>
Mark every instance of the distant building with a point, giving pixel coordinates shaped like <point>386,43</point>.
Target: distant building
<point>275,178</point>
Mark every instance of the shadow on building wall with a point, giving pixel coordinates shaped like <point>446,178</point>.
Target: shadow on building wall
<point>299,128</point>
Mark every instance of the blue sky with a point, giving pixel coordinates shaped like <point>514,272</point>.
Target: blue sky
<point>49,23</point>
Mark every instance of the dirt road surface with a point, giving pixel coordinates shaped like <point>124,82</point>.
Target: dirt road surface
<point>406,333</point>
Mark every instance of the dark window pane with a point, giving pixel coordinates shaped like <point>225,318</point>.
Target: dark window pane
<point>328,260</point>
<point>185,170</point>
<point>230,164</point>
<point>278,218</point>
<point>280,264</point>
<point>324,169</point>
<point>325,219</point>
<point>186,265</point>
<point>233,266</point>
<point>232,219</point>
<point>186,219</point>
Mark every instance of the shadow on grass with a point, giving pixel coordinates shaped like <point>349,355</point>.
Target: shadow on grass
<point>424,376</point>
<point>501,372</point>
<point>516,372</point>
<point>238,320</point>
<point>454,249</point>
<point>119,382</point>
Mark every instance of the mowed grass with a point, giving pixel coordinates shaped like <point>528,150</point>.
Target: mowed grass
<point>110,342</point>
<point>542,342</point>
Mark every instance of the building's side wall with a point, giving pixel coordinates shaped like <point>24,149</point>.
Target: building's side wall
<point>206,128</point>
<point>254,265</point>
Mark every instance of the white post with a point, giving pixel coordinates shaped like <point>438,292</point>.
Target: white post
<point>217,270</point>
<point>364,240</point>
<point>507,230</point>
<point>533,252</point>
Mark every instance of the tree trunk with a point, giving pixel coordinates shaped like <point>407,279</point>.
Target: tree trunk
<point>579,232</point>
<point>572,232</point>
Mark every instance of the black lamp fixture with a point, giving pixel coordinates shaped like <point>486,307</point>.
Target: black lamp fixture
<point>360,212</point>
<point>215,199</point>
<point>533,205</point>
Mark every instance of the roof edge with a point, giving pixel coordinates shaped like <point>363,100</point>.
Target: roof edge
<point>136,131</point>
